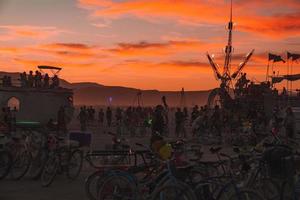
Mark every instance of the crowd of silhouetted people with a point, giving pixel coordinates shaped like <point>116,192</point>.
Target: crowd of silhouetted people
<point>8,119</point>
<point>38,80</point>
<point>184,122</point>
<point>129,118</point>
<point>6,81</point>
<point>31,80</point>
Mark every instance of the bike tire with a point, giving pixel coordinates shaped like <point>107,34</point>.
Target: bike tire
<point>50,171</point>
<point>268,188</point>
<point>246,194</point>
<point>112,184</point>
<point>5,163</point>
<point>37,165</point>
<point>90,187</point>
<point>20,165</point>
<point>173,192</point>
<point>71,163</point>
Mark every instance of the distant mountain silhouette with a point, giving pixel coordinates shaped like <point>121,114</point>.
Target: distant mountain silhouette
<point>88,93</point>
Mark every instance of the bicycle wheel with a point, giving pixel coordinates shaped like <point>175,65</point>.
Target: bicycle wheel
<point>246,194</point>
<point>20,165</point>
<point>5,163</point>
<point>91,185</point>
<point>37,164</point>
<point>50,170</point>
<point>117,186</point>
<point>74,164</point>
<point>287,191</point>
<point>173,192</point>
<point>268,188</point>
<point>208,189</point>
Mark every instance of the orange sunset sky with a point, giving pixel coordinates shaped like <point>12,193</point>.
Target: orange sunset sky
<point>148,44</point>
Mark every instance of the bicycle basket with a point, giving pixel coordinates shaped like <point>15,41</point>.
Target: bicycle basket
<point>278,164</point>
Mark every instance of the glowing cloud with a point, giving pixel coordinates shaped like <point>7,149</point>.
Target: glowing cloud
<point>13,32</point>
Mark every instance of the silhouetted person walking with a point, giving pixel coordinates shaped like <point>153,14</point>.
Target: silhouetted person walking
<point>83,118</point>
<point>101,116</point>
<point>46,81</point>
<point>108,116</point>
<point>158,120</point>
<point>179,122</point>
<point>30,79</point>
<point>61,120</point>
<point>289,123</point>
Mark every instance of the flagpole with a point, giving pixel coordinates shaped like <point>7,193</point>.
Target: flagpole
<point>291,81</point>
<point>272,68</point>
<point>267,76</point>
<point>287,81</point>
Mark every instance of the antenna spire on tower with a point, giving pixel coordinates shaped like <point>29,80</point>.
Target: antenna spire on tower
<point>228,48</point>
<point>231,11</point>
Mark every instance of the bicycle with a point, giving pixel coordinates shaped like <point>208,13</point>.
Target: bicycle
<point>93,181</point>
<point>21,157</point>
<point>63,158</point>
<point>5,158</point>
<point>158,177</point>
<point>226,186</point>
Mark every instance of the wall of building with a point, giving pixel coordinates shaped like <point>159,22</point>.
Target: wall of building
<point>38,104</point>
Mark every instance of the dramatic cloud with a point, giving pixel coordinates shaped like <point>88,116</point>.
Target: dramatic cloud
<point>277,26</point>
<point>282,20</point>
<point>187,64</point>
<point>69,46</point>
<point>13,32</point>
<point>149,44</point>
<point>161,49</point>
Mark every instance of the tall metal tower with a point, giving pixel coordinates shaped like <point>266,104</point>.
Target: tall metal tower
<point>138,99</point>
<point>226,77</point>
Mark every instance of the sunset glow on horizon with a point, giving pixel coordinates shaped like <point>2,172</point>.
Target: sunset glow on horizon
<point>147,44</point>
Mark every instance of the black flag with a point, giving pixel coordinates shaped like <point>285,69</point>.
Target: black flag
<point>279,59</point>
<point>275,58</point>
<point>272,56</point>
<point>293,56</point>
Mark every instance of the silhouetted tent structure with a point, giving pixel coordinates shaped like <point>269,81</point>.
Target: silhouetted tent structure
<point>293,77</point>
<point>54,70</point>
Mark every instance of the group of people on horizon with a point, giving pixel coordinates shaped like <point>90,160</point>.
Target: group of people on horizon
<point>86,116</point>
<point>130,119</point>
<point>37,80</point>
<point>6,81</point>
<point>31,80</point>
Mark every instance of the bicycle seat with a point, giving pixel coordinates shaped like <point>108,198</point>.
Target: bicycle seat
<point>69,143</point>
<point>214,150</point>
<point>196,146</point>
<point>203,162</point>
<point>125,146</point>
<point>60,139</point>
<point>185,168</point>
<point>73,143</point>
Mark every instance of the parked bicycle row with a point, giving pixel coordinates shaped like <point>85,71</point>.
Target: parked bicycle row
<point>266,171</point>
<point>32,152</point>
<point>163,170</point>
